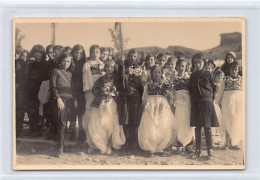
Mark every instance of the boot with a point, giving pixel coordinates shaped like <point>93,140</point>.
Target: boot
<point>72,130</point>
<point>208,134</point>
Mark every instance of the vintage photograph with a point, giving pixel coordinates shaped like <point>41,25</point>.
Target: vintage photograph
<point>129,93</point>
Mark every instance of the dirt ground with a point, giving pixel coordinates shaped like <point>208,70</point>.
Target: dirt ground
<point>43,152</point>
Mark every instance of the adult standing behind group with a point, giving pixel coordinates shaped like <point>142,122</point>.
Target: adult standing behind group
<point>79,59</point>
<point>36,74</point>
<point>21,72</point>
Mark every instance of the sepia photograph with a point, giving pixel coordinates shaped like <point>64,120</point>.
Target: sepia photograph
<point>129,93</point>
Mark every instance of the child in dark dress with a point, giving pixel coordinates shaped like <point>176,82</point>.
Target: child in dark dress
<point>21,72</point>
<point>133,96</point>
<point>36,74</point>
<point>64,101</point>
<point>79,59</point>
<point>202,91</point>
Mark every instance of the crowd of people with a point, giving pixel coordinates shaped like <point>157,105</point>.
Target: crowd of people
<point>154,101</point>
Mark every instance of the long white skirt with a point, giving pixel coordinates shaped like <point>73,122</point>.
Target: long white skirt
<point>157,129</point>
<point>182,104</point>
<point>104,129</point>
<point>222,126</point>
<point>89,97</point>
<point>233,115</point>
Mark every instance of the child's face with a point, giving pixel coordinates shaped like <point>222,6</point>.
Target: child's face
<point>17,55</point>
<point>133,56</point>
<point>198,63</point>
<point>162,61</point>
<point>56,55</point>
<point>110,55</point>
<point>65,63</point>
<point>109,68</point>
<point>234,71</point>
<point>209,67</point>
<point>104,56</point>
<point>151,61</point>
<point>38,56</point>
<point>95,54</point>
<point>181,67</point>
<point>230,59</point>
<point>24,56</point>
<point>172,65</point>
<point>50,54</point>
<point>78,55</point>
<point>219,77</point>
<point>157,74</point>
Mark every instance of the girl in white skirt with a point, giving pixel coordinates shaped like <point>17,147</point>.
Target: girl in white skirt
<point>181,102</point>
<point>92,70</point>
<point>157,129</point>
<point>104,130</point>
<point>233,108</point>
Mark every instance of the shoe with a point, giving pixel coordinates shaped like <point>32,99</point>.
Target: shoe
<point>217,134</point>
<point>225,147</point>
<point>235,148</point>
<point>59,153</point>
<point>150,154</point>
<point>210,153</point>
<point>196,154</point>
<point>189,149</point>
<point>178,150</point>
<point>90,150</point>
<point>162,154</point>
<point>109,151</point>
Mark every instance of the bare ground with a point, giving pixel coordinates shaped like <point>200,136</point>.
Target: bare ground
<point>43,152</point>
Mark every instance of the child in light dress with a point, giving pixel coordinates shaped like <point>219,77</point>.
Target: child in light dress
<point>104,129</point>
<point>233,108</point>
<point>157,130</point>
<point>92,70</point>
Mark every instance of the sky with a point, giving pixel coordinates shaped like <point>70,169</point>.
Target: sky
<point>197,35</point>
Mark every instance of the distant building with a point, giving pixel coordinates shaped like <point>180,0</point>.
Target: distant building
<point>230,38</point>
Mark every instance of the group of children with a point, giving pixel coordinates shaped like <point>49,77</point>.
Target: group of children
<point>153,103</point>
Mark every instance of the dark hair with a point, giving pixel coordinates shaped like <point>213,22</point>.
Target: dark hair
<point>170,59</point>
<point>211,62</point>
<point>58,48</point>
<point>79,47</point>
<point>179,54</point>
<point>147,59</point>
<point>18,49</point>
<point>200,56</point>
<point>218,71</point>
<point>25,51</point>
<point>38,48</point>
<point>103,49</point>
<point>132,51</point>
<point>233,64</point>
<point>232,54</point>
<point>179,61</point>
<point>49,47</point>
<point>154,67</point>
<point>67,48</point>
<point>160,55</point>
<point>111,62</point>
<point>92,48</point>
<point>66,55</point>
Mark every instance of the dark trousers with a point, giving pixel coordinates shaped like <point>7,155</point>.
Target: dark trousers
<point>208,136</point>
<point>61,134</point>
<point>33,114</point>
<point>20,111</point>
<point>62,117</point>
<point>131,133</point>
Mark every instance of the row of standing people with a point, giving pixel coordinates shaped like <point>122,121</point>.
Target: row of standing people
<point>151,108</point>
